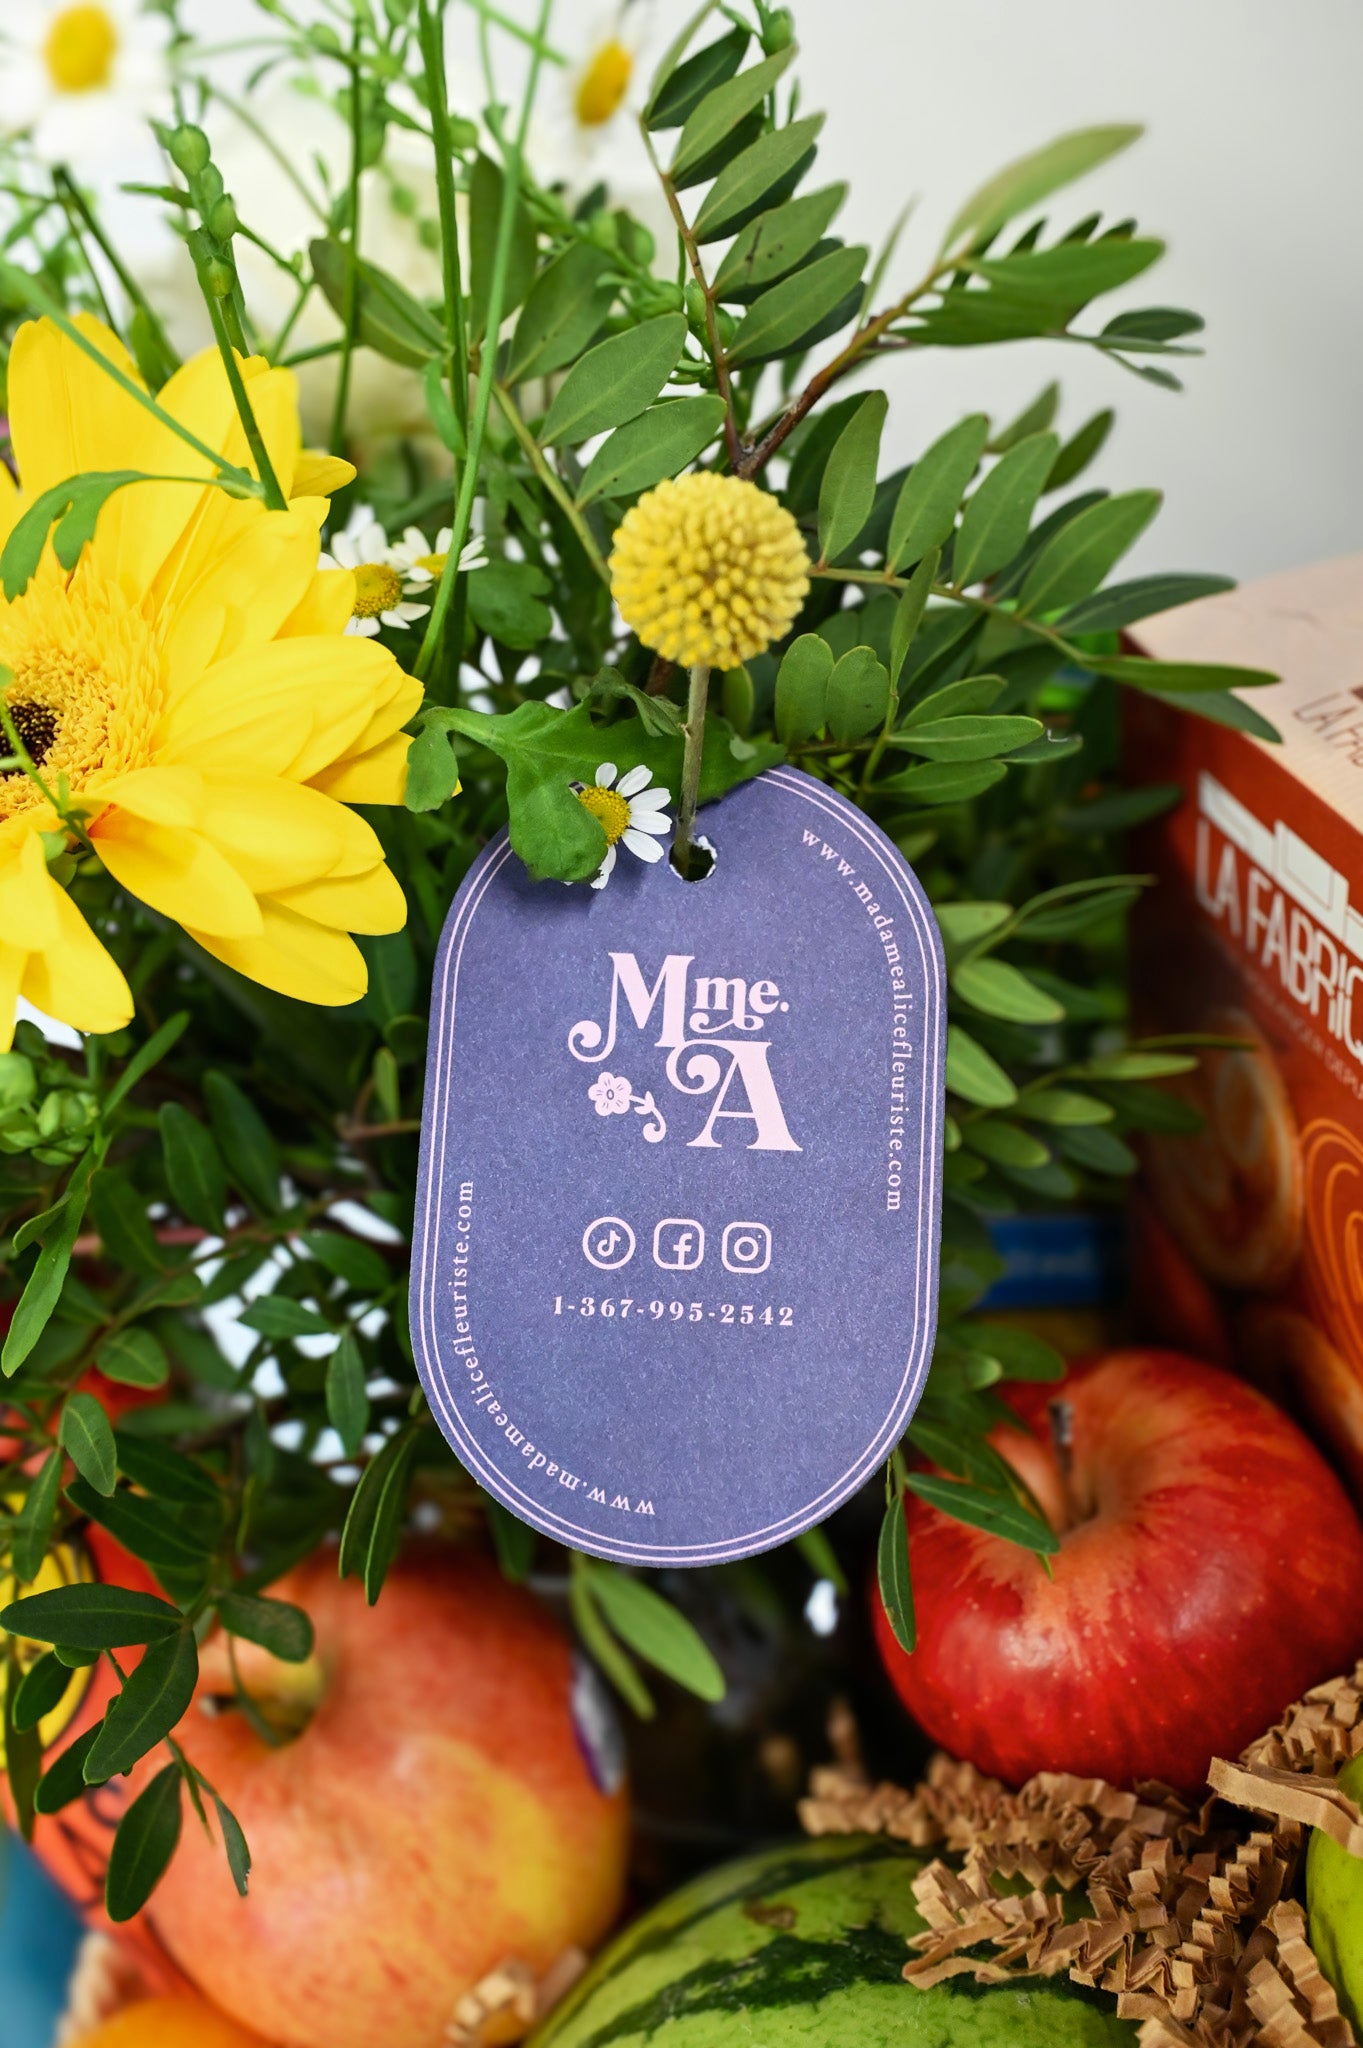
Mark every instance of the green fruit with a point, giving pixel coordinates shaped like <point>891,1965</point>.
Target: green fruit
<point>806,1945</point>
<point>1334,1902</point>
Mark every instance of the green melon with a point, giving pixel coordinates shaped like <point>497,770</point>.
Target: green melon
<point>804,1948</point>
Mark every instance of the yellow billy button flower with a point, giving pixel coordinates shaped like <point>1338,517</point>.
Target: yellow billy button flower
<point>709,569</point>
<point>192,686</point>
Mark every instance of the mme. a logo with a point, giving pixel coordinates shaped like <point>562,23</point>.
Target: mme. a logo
<point>705,1025</point>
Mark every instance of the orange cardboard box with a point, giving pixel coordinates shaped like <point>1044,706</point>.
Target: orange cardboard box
<point>1249,1239</point>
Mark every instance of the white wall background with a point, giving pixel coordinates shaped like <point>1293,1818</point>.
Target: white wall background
<point>1252,169</point>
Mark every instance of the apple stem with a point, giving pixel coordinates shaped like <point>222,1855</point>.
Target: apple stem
<point>1061,1416</point>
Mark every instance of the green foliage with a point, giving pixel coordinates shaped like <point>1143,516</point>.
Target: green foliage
<point>955,671</point>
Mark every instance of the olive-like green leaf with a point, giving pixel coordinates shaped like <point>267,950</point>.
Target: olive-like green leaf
<point>660,443</point>
<point>42,1688</point>
<point>33,1528</point>
<point>86,1436</point>
<point>858,694</point>
<point>1107,611</point>
<point>244,1140</point>
<point>1059,281</point>
<point>486,183</point>
<point>909,612</point>
<point>995,522</point>
<point>91,1617</point>
<point>1177,678</point>
<point>768,169</point>
<point>797,307</point>
<point>944,782</point>
<point>893,1574</point>
<point>64,1779</point>
<point>235,1846</point>
<point>134,1357</point>
<point>389,320</point>
<point>146,1840</point>
<point>566,305</point>
<point>1001,990</point>
<point>615,381</point>
<point>347,1397</point>
<point>277,1625</point>
<point>656,1631</point>
<point>1081,449</point>
<point>802,688</point>
<point>1033,419</point>
<point>373,1527</point>
<point>678,86</point>
<point>1101,1150</point>
<point>1031,178</point>
<point>144,1527</point>
<point>513,1539</point>
<point>195,1173</point>
<point>974,1074</point>
<point>1075,561</point>
<point>154,1700</point>
<point>970,738</point>
<point>933,489</point>
<point>720,112</point>
<point>769,247</point>
<point>848,490</point>
<point>169,1474</point>
<point>1005,1144</point>
<point>118,1212</point>
<point>955,700</point>
<point>43,1288</point>
<point>1065,1106</point>
<point>998,1514</point>
<point>1022,1354</point>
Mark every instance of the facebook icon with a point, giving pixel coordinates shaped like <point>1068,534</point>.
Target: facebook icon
<point>678,1244</point>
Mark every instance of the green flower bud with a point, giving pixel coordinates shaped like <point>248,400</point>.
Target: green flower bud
<point>778,31</point>
<point>220,278</point>
<point>189,151</point>
<point>221,219</point>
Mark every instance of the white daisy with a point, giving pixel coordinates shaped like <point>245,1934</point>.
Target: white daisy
<point>82,78</point>
<point>587,133</point>
<point>628,811</point>
<point>363,547</point>
<point>421,564</point>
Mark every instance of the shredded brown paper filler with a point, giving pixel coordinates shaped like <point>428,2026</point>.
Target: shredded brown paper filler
<point>1189,1917</point>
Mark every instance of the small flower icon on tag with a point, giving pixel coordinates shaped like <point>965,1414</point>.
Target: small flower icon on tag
<point>612,1095</point>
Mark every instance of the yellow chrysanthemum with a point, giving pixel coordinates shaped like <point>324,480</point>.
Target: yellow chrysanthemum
<point>709,569</point>
<point>193,683</point>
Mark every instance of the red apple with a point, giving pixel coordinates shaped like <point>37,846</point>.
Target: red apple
<point>446,1805</point>
<point>1207,1575</point>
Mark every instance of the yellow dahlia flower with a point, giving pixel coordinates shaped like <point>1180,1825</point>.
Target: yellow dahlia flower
<point>193,685</point>
<point>709,569</point>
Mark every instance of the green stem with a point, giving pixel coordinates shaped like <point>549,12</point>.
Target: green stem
<point>74,201</point>
<point>255,440</point>
<point>950,591</point>
<point>352,275</point>
<point>732,438</point>
<point>691,759</point>
<point>487,366</point>
<point>431,31</point>
<point>552,483</point>
<point>34,295</point>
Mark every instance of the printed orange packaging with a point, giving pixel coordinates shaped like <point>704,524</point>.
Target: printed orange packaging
<point>1250,1232</point>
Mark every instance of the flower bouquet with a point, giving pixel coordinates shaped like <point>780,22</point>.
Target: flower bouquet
<point>398,452</point>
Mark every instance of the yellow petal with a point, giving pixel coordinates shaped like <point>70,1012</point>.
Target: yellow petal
<point>326,604</point>
<point>69,415</point>
<point>76,980</point>
<point>237,715</point>
<point>11,504</point>
<point>177,873</point>
<point>378,777</point>
<point>28,914</point>
<point>164,796</point>
<point>320,475</point>
<point>400,701</point>
<point>12,965</point>
<point>258,576</point>
<point>278,833</point>
<point>296,957</point>
<point>357,903</point>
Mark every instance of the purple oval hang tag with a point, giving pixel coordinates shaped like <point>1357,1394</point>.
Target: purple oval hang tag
<point>674,1278</point>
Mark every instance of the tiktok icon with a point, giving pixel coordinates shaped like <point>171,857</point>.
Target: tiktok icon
<point>608,1243</point>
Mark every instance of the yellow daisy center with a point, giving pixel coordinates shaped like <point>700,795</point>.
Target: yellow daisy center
<point>80,49</point>
<point>609,808</point>
<point>433,564</point>
<point>378,587</point>
<point>86,690</point>
<point>709,569</point>
<point>603,84</point>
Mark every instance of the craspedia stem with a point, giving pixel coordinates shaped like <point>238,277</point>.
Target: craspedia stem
<point>694,745</point>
